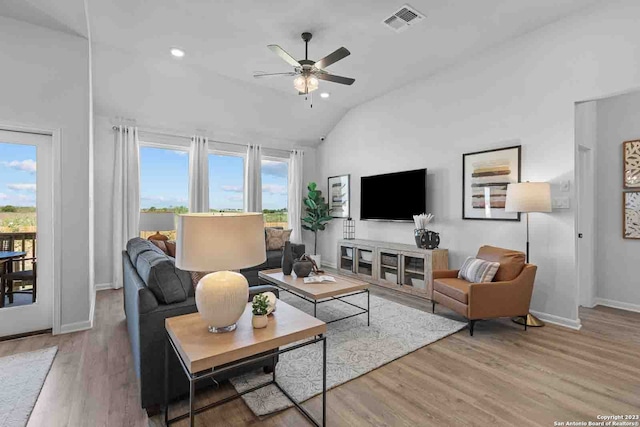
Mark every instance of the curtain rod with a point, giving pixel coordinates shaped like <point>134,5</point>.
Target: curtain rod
<point>173,135</point>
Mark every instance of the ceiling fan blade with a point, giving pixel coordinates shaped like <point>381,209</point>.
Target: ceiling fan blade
<point>284,55</point>
<point>333,58</point>
<point>260,75</point>
<point>336,79</point>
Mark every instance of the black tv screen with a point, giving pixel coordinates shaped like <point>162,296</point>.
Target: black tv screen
<point>394,196</point>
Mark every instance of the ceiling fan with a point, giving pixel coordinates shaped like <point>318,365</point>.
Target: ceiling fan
<point>309,72</point>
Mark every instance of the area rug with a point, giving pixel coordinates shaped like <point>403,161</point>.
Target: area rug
<point>22,377</point>
<point>353,349</point>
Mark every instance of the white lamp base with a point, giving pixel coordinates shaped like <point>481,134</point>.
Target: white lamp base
<point>221,298</point>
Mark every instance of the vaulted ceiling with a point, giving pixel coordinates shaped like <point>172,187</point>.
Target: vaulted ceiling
<point>226,42</point>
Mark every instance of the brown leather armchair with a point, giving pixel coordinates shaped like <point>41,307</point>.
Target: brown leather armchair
<point>509,295</point>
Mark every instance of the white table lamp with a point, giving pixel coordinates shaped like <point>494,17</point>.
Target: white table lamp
<point>527,197</point>
<point>218,243</point>
<point>157,221</point>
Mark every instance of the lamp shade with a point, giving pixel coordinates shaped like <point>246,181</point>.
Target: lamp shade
<point>528,197</point>
<point>220,241</point>
<point>157,221</point>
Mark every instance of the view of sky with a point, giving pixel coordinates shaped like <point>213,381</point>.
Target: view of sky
<point>17,174</point>
<point>164,180</point>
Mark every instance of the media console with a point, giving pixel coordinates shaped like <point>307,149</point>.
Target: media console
<point>397,266</point>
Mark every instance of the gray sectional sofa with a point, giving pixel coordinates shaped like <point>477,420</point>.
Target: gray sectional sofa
<point>154,289</point>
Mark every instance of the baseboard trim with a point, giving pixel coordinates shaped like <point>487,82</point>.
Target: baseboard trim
<point>617,304</point>
<point>104,286</point>
<point>329,264</point>
<point>76,327</point>
<point>557,320</point>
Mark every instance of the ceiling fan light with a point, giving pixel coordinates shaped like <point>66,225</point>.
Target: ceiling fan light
<point>306,84</point>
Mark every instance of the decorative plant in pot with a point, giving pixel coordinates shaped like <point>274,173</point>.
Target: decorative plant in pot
<point>260,309</point>
<point>317,216</point>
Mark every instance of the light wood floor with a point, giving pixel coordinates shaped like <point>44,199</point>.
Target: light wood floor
<point>500,377</point>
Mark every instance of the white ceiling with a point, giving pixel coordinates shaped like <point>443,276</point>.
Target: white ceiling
<point>229,39</point>
<point>67,16</point>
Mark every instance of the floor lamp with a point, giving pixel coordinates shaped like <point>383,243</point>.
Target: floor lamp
<point>528,197</point>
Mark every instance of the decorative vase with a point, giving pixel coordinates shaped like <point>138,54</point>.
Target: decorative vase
<point>221,298</point>
<point>287,259</point>
<point>259,321</point>
<point>302,268</point>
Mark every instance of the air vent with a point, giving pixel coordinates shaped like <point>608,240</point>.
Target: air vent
<point>403,18</point>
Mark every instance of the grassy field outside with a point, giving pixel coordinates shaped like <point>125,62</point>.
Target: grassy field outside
<point>17,219</point>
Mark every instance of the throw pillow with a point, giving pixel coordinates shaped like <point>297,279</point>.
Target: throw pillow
<point>276,238</point>
<point>161,244</point>
<point>478,270</point>
<point>196,276</point>
<point>171,248</point>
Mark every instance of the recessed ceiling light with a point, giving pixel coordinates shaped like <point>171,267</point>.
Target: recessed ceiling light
<point>178,53</point>
<point>325,95</point>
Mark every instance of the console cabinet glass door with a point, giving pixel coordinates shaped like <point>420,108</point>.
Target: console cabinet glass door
<point>346,256</point>
<point>388,262</point>
<point>413,272</point>
<point>364,262</point>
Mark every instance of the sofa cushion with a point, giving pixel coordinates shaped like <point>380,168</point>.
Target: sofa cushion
<point>511,262</point>
<point>171,248</point>
<point>478,270</point>
<point>159,273</point>
<point>274,259</point>
<point>137,245</point>
<point>457,289</point>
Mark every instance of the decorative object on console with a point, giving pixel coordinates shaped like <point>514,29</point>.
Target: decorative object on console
<point>157,221</point>
<point>260,309</point>
<point>349,229</point>
<point>631,159</point>
<point>219,242</point>
<point>485,176</point>
<point>425,239</point>
<point>339,195</point>
<point>317,216</point>
<point>631,223</point>
<point>528,197</point>
<point>287,258</point>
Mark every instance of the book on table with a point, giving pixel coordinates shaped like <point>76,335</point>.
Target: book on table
<point>319,279</point>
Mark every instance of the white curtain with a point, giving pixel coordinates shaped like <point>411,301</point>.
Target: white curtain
<point>296,159</point>
<point>253,179</point>
<point>126,195</point>
<point>199,174</point>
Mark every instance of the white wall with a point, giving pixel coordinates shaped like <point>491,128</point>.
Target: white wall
<point>524,90</point>
<point>617,260</point>
<point>103,182</point>
<point>44,82</point>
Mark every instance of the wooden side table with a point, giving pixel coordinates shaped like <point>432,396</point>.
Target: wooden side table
<point>201,353</point>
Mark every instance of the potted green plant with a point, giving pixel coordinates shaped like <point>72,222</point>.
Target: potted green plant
<point>317,216</point>
<point>260,309</point>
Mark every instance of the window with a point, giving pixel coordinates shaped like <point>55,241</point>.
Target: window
<point>226,183</point>
<point>17,188</point>
<point>275,174</point>
<point>164,181</point>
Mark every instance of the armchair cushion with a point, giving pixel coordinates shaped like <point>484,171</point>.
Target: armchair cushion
<point>454,288</point>
<point>478,270</point>
<point>511,262</point>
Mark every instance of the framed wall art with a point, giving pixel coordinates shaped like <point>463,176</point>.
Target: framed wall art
<point>631,163</point>
<point>339,196</point>
<point>631,215</point>
<point>485,176</point>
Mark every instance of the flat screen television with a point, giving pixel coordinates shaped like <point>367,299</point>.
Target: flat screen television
<point>393,196</point>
